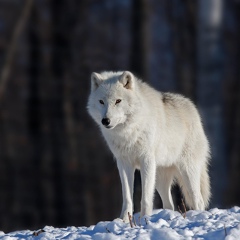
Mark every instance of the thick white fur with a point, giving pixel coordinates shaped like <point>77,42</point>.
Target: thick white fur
<point>160,134</point>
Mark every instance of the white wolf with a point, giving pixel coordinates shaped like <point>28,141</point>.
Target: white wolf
<point>160,134</point>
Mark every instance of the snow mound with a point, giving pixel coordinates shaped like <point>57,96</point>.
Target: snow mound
<point>163,224</point>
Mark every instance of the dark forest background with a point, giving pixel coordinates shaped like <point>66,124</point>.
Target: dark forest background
<point>55,168</point>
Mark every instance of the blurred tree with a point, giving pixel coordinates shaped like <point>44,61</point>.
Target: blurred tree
<point>232,95</point>
<point>34,112</point>
<point>209,89</point>
<point>140,38</point>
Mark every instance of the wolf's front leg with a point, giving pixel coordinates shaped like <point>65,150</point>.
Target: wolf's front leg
<point>126,172</point>
<point>148,175</point>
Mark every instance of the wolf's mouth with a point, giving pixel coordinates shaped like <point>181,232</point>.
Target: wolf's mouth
<point>108,127</point>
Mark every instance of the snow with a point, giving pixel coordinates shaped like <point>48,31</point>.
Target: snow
<point>163,224</point>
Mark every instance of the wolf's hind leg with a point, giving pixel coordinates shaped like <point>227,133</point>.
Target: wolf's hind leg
<point>164,180</point>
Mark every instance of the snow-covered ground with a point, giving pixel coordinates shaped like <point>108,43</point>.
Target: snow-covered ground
<point>163,224</point>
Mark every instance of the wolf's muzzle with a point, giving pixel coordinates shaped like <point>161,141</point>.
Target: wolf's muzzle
<point>105,121</point>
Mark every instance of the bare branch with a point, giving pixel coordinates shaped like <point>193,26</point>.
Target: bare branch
<point>130,220</point>
<point>38,232</point>
<point>185,210</point>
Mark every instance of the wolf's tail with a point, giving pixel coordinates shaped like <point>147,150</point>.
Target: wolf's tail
<point>205,186</point>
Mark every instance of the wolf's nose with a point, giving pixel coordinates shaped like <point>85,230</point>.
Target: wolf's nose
<point>105,121</point>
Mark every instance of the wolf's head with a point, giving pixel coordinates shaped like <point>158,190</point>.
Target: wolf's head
<point>113,98</point>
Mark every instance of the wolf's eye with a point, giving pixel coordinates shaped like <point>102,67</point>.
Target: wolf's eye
<point>118,101</point>
<point>101,101</point>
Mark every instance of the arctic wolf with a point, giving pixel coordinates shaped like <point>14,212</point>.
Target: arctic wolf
<point>160,134</point>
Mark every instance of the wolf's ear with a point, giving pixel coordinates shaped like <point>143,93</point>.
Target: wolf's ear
<point>127,79</point>
<point>95,80</point>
